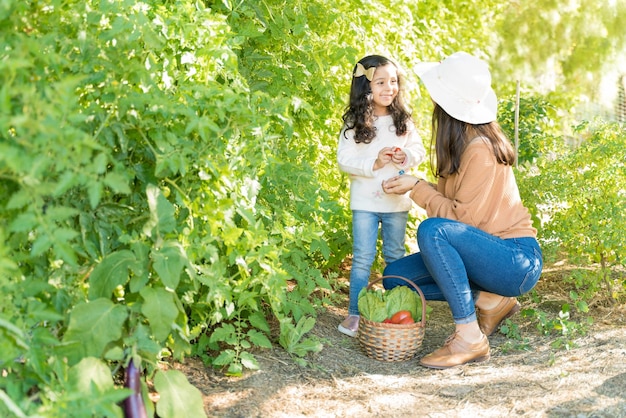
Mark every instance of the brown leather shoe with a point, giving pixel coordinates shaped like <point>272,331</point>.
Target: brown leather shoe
<point>455,352</point>
<point>490,319</point>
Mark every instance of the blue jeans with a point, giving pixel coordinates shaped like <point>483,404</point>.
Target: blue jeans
<point>457,260</point>
<point>364,238</point>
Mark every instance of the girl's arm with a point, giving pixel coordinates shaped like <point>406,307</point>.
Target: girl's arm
<point>351,161</point>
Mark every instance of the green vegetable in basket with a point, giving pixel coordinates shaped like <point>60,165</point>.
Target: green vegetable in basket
<point>372,306</point>
<point>376,305</point>
<point>401,298</point>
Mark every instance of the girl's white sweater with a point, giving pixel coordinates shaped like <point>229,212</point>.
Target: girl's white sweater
<point>366,192</point>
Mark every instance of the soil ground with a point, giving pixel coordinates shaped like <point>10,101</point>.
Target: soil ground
<point>525,377</point>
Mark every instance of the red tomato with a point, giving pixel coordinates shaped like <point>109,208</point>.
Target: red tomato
<point>387,321</point>
<point>407,320</point>
<point>400,316</point>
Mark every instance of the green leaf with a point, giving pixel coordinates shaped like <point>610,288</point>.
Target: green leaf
<point>93,325</point>
<point>177,397</point>
<point>90,370</point>
<point>117,182</point>
<point>94,190</point>
<point>112,271</point>
<point>143,339</point>
<point>161,212</point>
<point>371,305</point>
<point>41,245</point>
<point>258,321</point>
<point>235,369</point>
<point>305,325</point>
<point>291,338</point>
<point>308,345</point>
<point>248,361</point>
<point>259,339</point>
<point>16,334</point>
<point>12,342</point>
<point>402,298</point>
<point>141,272</point>
<point>168,262</point>
<point>11,406</point>
<point>160,310</point>
<point>225,333</point>
<point>23,222</point>
<point>19,199</point>
<point>225,357</point>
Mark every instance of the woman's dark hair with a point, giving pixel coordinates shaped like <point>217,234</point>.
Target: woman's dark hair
<point>450,137</point>
<point>359,114</point>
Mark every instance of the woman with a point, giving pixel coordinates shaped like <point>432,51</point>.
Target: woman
<point>478,248</point>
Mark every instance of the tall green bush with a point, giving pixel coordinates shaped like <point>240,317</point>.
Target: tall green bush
<point>143,203</point>
<point>578,199</point>
<point>539,133</point>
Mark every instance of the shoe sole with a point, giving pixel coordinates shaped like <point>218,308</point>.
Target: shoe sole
<point>346,331</point>
<point>476,360</point>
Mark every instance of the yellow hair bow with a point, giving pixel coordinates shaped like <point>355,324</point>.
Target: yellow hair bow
<point>360,70</point>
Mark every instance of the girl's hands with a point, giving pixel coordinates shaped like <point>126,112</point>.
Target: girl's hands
<point>384,158</point>
<point>399,184</point>
<point>398,156</point>
<point>387,155</point>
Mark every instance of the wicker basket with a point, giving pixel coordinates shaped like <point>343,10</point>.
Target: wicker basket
<point>392,342</point>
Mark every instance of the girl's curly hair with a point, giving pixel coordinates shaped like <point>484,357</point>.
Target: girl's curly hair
<point>359,114</point>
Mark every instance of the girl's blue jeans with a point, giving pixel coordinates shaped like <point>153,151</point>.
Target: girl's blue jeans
<point>456,261</point>
<point>365,237</point>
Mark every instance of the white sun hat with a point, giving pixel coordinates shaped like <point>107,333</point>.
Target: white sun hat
<point>461,85</point>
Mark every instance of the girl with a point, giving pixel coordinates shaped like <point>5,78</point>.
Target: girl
<point>378,140</point>
<point>478,248</point>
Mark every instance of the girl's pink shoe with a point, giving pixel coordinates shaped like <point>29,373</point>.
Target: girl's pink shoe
<point>350,325</point>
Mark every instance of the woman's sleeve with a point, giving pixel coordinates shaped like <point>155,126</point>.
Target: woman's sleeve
<point>471,190</point>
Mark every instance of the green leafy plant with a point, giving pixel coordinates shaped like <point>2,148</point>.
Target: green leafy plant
<point>515,338</point>
<point>578,200</point>
<point>293,340</point>
<point>539,132</point>
<point>145,187</point>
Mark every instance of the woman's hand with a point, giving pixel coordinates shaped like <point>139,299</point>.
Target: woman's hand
<point>399,184</point>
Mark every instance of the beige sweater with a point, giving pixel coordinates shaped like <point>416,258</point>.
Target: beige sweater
<point>483,194</point>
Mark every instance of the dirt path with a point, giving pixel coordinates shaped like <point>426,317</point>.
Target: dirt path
<point>588,380</point>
